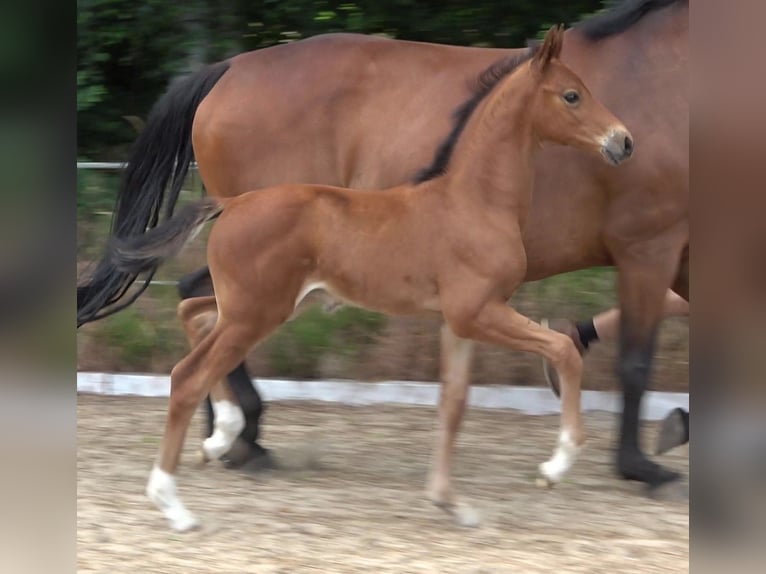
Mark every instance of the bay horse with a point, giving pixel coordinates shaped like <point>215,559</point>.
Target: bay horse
<point>369,112</point>
<point>452,244</point>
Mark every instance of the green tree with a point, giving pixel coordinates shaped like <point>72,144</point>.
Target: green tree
<point>128,51</point>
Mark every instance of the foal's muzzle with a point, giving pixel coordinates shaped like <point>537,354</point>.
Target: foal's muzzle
<point>617,146</point>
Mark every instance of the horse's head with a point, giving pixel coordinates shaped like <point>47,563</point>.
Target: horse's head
<point>567,113</point>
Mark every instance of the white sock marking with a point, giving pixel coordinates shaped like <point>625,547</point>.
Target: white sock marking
<point>229,420</point>
<point>562,459</point>
<point>161,490</point>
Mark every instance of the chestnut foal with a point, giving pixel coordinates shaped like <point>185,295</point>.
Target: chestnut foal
<point>452,245</point>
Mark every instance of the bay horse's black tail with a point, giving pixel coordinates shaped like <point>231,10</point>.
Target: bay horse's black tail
<point>146,252</point>
<point>159,160</point>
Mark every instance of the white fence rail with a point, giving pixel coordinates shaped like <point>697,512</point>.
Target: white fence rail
<point>111,165</point>
<point>528,400</point>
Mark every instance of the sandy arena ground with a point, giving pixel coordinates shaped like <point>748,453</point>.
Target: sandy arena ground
<point>350,498</point>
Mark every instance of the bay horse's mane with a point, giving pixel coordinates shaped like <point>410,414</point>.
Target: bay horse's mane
<point>485,82</point>
<point>619,17</point>
<point>614,20</point>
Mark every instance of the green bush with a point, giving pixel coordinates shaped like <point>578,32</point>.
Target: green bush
<point>296,349</point>
<point>581,293</point>
<point>139,340</point>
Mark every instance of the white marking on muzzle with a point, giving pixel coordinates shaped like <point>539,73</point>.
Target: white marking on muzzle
<point>607,138</point>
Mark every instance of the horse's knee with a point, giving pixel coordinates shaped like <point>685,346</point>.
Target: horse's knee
<point>183,401</point>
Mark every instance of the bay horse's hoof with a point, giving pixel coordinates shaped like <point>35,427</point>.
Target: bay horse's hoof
<point>568,328</point>
<point>639,468</point>
<point>248,457</point>
<point>674,431</point>
<point>675,491</point>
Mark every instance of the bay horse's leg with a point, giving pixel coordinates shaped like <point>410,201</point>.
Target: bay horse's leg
<point>499,324</point>
<point>674,430</point>
<point>218,353</point>
<point>642,288</point>
<point>456,355</point>
<point>603,327</point>
<point>199,284</point>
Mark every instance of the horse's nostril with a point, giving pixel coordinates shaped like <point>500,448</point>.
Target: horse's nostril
<point>628,145</point>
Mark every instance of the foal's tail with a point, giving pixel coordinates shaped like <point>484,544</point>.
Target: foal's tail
<point>155,172</point>
<point>139,253</point>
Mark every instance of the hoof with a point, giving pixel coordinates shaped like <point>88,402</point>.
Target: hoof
<point>639,468</point>
<point>202,458</point>
<point>561,462</point>
<point>464,515</point>
<point>251,458</point>
<point>550,474</point>
<point>674,431</point>
<point>543,482</point>
<point>161,491</point>
<point>186,523</point>
<point>674,491</point>
<point>214,447</point>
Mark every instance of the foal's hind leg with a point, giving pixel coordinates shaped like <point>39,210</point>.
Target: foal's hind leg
<point>199,316</point>
<point>219,352</point>
<point>246,448</point>
<point>499,324</point>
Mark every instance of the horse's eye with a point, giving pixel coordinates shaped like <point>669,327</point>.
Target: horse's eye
<point>571,97</point>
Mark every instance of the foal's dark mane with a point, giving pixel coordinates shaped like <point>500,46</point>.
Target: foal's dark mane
<point>614,20</point>
<point>485,82</point>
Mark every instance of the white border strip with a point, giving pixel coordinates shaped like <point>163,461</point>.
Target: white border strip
<point>529,400</point>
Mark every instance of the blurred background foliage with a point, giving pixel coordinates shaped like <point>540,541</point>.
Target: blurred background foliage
<point>129,52</point>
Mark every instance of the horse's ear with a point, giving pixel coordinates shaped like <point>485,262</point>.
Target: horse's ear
<point>551,48</point>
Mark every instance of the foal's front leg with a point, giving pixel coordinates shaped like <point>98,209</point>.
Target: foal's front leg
<point>456,355</point>
<point>497,323</point>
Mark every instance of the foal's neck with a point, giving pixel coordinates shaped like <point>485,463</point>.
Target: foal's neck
<point>492,163</point>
